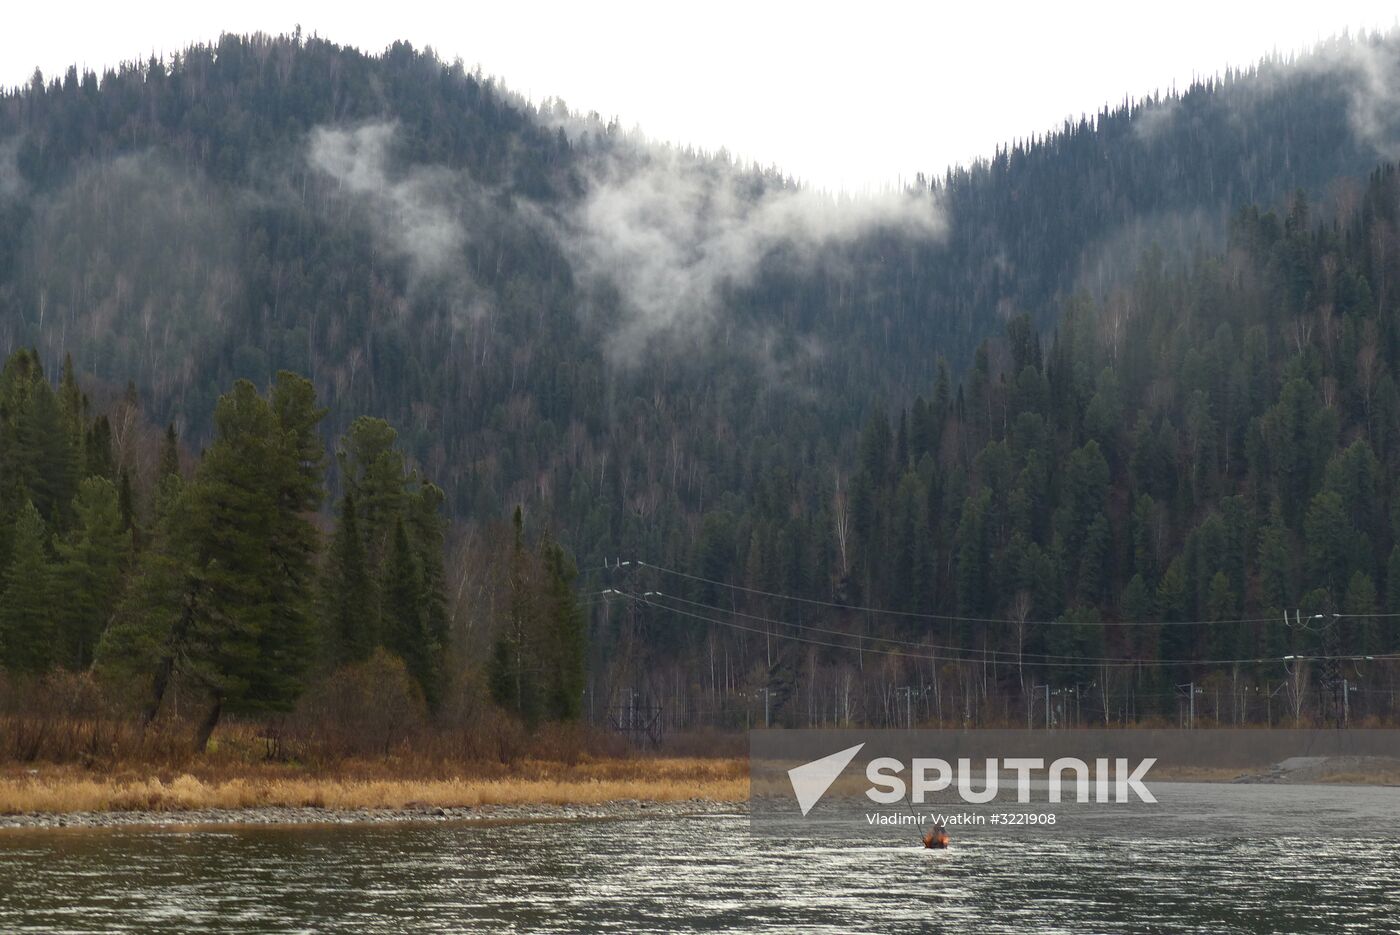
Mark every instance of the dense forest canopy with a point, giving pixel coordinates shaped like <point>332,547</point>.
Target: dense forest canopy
<point>214,579</point>
<point>1122,393</point>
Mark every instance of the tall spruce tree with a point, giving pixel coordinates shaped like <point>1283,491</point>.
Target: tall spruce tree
<point>372,469</point>
<point>428,528</point>
<point>296,477</point>
<point>405,624</point>
<point>97,450</point>
<point>26,604</point>
<point>514,670</point>
<point>154,621</point>
<point>224,601</point>
<point>380,496</point>
<point>348,594</point>
<point>565,631</point>
<point>72,410</point>
<point>170,452</point>
<point>89,569</point>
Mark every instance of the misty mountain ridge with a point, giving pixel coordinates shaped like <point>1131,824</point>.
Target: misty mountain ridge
<point>495,277</point>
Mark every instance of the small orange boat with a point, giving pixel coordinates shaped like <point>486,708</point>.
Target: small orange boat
<point>936,838</point>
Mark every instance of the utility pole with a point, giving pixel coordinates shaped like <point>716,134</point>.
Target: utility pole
<point>1269,700</point>
<point>1191,691</point>
<point>633,709</point>
<point>1336,691</point>
<point>1331,671</point>
<point>1311,626</point>
<point>907,692</point>
<point>1296,673</point>
<point>1044,686</point>
<point>629,667</point>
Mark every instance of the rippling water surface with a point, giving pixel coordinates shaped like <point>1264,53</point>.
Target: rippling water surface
<point>691,875</point>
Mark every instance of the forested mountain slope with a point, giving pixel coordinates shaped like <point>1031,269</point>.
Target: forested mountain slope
<point>505,281</point>
<point>1154,383</point>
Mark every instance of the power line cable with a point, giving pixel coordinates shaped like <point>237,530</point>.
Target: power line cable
<point>979,655</point>
<point>954,618</point>
<point>917,644</point>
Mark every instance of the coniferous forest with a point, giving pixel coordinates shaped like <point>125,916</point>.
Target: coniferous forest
<point>221,574</point>
<point>357,383</point>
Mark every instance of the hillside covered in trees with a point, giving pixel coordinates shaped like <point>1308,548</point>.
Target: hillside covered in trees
<point>509,283</point>
<point>1094,412</point>
<point>213,579</point>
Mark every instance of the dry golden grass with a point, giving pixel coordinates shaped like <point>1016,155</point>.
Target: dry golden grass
<point>535,782</point>
<point>1361,778</point>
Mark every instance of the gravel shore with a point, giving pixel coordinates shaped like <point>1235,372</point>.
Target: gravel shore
<point>324,816</point>
<point>1360,770</point>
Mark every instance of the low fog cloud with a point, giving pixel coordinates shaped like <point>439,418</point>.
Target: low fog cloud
<point>1371,69</point>
<point>1366,68</point>
<point>673,232</point>
<point>669,231</point>
<point>1114,259</point>
<point>132,266</point>
<point>411,210</point>
<point>1152,120</point>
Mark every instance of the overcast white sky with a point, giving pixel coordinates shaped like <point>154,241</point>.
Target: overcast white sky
<point>854,95</point>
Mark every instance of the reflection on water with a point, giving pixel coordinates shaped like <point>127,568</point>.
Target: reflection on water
<point>688,875</point>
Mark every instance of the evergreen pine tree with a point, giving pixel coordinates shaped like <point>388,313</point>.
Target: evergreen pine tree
<point>26,602</point>
<point>97,448</point>
<point>170,452</point>
<point>348,597</point>
<point>405,629</point>
<point>513,674</point>
<point>153,622</point>
<point>72,409</point>
<point>372,469</point>
<point>566,630</point>
<point>126,501</point>
<point>295,477</point>
<point>1359,631</point>
<point>429,534</point>
<point>1277,582</point>
<point>222,599</point>
<point>89,569</point>
<point>1391,627</point>
<point>48,457</point>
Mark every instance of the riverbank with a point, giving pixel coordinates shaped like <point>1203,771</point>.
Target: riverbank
<point>416,814</point>
<point>59,795</point>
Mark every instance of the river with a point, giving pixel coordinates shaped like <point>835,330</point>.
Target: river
<point>700,874</point>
